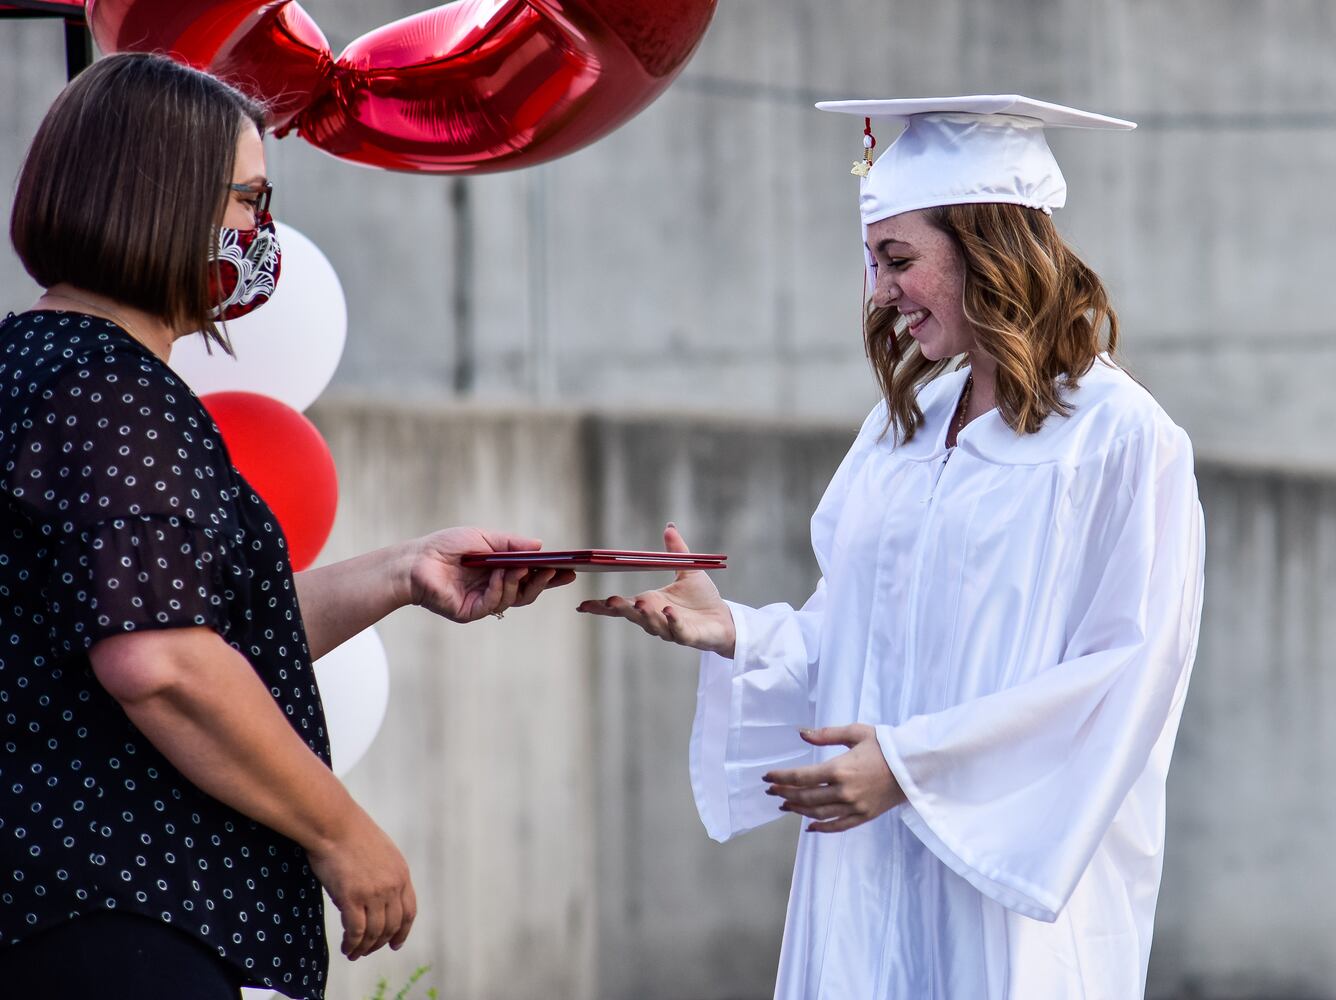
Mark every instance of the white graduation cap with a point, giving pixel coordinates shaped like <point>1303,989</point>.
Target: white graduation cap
<point>962,150</point>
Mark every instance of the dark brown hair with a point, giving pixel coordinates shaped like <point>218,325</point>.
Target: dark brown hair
<point>124,186</point>
<point>1037,310</point>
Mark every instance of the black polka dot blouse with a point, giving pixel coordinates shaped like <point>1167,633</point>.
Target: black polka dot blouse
<point>120,510</point>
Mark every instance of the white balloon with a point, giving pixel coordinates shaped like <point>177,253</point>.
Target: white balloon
<point>354,681</point>
<point>289,347</point>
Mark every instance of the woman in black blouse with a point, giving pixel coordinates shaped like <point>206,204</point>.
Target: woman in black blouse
<point>167,812</point>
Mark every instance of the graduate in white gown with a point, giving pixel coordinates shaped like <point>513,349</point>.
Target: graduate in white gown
<point>977,706</point>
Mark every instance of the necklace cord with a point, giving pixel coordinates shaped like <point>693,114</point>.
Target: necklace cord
<point>964,404</point>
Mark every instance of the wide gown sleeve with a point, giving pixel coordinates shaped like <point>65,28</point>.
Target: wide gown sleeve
<point>749,708</point>
<point>1014,791</point>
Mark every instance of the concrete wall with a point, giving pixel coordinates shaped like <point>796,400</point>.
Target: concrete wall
<point>705,255</point>
<point>1248,909</point>
<point>534,770</point>
<point>482,771</point>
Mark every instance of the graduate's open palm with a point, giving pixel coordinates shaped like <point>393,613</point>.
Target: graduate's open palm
<point>689,611</point>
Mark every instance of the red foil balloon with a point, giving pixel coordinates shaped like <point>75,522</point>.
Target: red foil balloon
<point>285,459</point>
<point>469,87</point>
<point>272,50</point>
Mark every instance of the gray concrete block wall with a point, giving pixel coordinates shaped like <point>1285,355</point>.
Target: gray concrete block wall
<point>534,770</point>
<point>1247,906</point>
<point>681,916</point>
<point>482,772</point>
<point>705,255</point>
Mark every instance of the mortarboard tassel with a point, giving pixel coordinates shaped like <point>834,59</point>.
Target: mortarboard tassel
<point>861,167</point>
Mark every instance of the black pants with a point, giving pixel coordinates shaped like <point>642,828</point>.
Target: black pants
<point>115,956</point>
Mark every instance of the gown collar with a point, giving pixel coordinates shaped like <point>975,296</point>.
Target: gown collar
<point>989,437</point>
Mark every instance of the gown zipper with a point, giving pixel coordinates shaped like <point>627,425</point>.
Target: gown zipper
<point>888,969</point>
<point>937,477</point>
<point>911,646</point>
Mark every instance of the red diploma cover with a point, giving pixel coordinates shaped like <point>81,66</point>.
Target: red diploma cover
<point>598,560</point>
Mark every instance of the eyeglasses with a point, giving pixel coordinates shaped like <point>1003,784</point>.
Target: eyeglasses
<point>263,192</point>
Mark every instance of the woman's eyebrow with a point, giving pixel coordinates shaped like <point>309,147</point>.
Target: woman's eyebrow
<point>883,244</point>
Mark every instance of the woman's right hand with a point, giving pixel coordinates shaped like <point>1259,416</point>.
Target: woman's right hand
<point>368,880</point>
<point>689,611</point>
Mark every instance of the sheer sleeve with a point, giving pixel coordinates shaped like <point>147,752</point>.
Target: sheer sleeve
<point>124,475</point>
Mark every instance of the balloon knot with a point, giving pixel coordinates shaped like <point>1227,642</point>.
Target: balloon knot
<point>331,76</point>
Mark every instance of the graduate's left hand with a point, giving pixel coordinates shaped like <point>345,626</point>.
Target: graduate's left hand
<point>440,583</point>
<point>843,792</point>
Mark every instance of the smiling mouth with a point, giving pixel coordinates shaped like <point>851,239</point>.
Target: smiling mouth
<point>914,320</point>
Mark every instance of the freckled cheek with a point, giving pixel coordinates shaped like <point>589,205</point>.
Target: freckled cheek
<point>933,294</point>
<point>943,298</point>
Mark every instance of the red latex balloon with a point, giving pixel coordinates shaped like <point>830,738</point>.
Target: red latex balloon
<point>469,87</point>
<point>285,459</point>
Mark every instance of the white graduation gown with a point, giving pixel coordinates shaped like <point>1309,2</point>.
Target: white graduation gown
<point>1018,619</point>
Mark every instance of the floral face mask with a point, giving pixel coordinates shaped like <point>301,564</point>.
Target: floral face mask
<point>247,265</point>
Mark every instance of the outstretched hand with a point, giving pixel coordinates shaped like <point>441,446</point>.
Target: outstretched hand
<point>439,581</point>
<point>689,611</point>
<point>845,791</point>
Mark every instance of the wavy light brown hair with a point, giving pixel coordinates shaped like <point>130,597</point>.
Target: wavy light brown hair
<point>1037,310</point>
